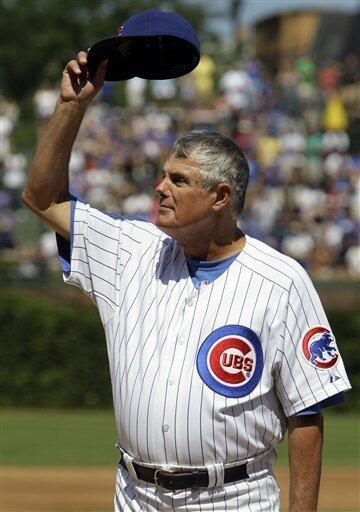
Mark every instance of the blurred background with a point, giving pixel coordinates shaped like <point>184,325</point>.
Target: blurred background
<point>280,78</point>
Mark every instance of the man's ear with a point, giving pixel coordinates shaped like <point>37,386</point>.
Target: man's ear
<point>222,198</point>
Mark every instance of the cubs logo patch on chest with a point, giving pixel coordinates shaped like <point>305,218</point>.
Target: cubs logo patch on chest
<point>230,361</point>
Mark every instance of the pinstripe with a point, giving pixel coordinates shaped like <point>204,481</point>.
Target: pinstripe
<point>118,325</point>
<point>98,277</point>
<point>213,423</point>
<point>202,391</point>
<point>116,239</point>
<point>261,275</point>
<point>254,308</point>
<point>244,301</point>
<point>125,250</point>
<point>166,392</point>
<point>157,371</point>
<point>279,380</point>
<point>97,261</point>
<point>164,339</point>
<point>81,274</point>
<point>226,400</point>
<point>265,351</point>
<point>136,271</point>
<point>114,216</point>
<point>123,337</point>
<point>146,339</point>
<point>293,268</point>
<point>127,370</point>
<point>243,409</point>
<point>135,223</point>
<point>123,265</point>
<point>192,375</point>
<point>179,381</point>
<point>222,296</point>
<point>265,358</point>
<point>256,432</point>
<point>233,413</point>
<point>202,387</point>
<point>105,298</point>
<point>97,246</point>
<point>130,238</point>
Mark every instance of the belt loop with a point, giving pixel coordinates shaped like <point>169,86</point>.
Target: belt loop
<point>216,475</point>
<point>129,465</point>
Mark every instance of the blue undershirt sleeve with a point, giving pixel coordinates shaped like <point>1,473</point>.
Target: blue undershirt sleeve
<point>65,246</point>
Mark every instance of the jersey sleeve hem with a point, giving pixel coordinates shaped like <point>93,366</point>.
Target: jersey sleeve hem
<point>65,246</point>
<point>340,398</point>
<point>66,249</point>
<point>317,397</point>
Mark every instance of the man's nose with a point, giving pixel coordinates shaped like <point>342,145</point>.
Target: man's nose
<point>162,189</point>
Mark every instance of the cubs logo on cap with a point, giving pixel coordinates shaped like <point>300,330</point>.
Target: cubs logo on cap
<point>319,348</point>
<point>230,361</point>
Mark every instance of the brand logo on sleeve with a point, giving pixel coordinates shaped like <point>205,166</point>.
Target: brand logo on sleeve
<point>319,348</point>
<point>230,361</point>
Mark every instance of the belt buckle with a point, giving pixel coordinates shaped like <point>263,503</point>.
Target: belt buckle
<point>163,472</point>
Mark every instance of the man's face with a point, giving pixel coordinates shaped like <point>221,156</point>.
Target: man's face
<point>183,202</point>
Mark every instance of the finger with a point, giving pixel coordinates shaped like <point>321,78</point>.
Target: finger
<point>73,68</point>
<point>82,58</point>
<point>100,73</point>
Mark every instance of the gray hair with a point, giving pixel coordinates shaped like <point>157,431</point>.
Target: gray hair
<point>221,160</point>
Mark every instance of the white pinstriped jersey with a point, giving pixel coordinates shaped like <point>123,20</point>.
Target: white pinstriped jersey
<point>202,377</point>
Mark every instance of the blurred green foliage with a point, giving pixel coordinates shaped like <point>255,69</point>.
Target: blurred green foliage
<point>54,352</point>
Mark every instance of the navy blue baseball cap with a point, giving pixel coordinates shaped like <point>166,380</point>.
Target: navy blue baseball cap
<point>152,44</point>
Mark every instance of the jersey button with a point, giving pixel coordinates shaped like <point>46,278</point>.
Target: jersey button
<point>190,302</point>
<point>181,342</point>
<point>165,428</point>
<point>171,381</point>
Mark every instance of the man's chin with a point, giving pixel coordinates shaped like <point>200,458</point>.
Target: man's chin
<point>164,223</point>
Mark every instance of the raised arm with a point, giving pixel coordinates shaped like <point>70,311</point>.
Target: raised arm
<point>47,189</point>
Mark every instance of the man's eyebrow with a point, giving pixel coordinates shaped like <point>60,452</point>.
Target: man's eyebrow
<point>175,172</point>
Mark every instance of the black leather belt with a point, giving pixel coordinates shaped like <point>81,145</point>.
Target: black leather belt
<point>175,481</point>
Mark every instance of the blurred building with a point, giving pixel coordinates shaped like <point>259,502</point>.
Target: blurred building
<point>283,37</point>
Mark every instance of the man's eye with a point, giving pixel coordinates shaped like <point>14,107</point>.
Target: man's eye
<point>178,179</point>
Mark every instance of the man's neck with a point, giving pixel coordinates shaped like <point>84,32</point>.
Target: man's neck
<point>217,245</point>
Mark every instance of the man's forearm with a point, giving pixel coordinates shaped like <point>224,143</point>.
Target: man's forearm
<point>305,450</point>
<point>48,180</point>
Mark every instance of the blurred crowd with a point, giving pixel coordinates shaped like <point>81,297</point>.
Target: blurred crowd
<point>299,129</point>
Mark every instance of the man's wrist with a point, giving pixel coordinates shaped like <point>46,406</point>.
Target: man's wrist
<point>71,106</point>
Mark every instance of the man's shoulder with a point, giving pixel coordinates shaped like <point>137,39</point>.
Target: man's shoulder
<point>284,269</point>
<point>142,229</point>
<point>133,230</point>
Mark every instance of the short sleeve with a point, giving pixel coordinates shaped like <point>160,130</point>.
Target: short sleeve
<point>91,260</point>
<point>309,366</point>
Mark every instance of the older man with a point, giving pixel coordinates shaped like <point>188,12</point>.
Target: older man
<point>217,343</point>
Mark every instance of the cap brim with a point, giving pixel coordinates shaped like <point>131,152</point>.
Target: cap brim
<point>150,57</point>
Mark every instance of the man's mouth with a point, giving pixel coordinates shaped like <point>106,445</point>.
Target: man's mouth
<point>165,206</point>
